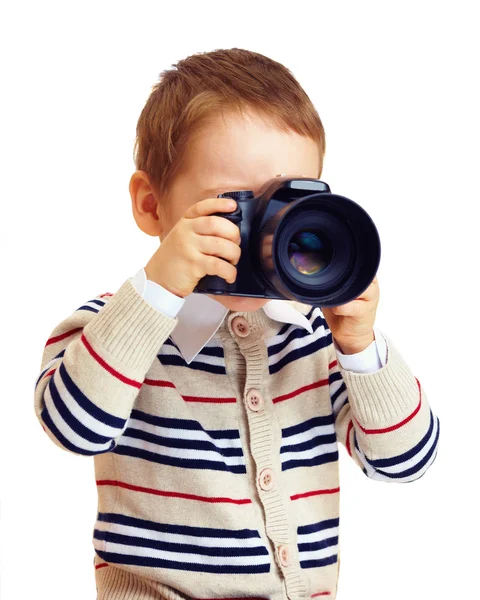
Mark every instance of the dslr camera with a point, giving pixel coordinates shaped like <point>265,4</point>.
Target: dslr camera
<point>299,242</point>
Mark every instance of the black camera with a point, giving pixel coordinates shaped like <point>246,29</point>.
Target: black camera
<point>300,242</point>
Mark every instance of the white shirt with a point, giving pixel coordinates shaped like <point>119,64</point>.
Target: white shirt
<point>199,317</point>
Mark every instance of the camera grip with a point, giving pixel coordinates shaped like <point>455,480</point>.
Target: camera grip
<point>213,284</point>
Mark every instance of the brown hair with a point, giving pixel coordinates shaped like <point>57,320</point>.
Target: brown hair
<point>205,84</point>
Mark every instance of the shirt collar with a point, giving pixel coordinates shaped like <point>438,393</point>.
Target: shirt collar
<point>192,332</point>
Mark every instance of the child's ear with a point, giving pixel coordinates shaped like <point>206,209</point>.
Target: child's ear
<point>145,205</point>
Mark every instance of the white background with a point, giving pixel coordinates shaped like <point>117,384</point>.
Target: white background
<point>396,86</point>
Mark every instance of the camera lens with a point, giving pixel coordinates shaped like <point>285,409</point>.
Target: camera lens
<point>321,249</point>
<point>309,251</point>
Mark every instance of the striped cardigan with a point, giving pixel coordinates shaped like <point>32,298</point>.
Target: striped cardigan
<point>219,478</point>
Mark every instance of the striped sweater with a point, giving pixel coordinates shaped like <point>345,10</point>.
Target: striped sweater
<point>219,478</point>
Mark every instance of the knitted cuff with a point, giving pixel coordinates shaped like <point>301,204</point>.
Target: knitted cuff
<point>129,329</point>
<point>382,398</point>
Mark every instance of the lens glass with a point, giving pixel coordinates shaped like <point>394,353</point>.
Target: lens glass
<point>309,251</point>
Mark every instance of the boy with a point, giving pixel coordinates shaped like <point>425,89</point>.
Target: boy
<point>214,422</point>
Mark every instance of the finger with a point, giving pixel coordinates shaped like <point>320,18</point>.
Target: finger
<point>267,247</point>
<point>212,265</point>
<point>217,226</point>
<point>218,246</point>
<point>209,206</point>
<point>269,263</point>
<point>371,292</point>
<point>355,308</point>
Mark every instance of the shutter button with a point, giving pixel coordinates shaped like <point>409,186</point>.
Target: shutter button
<point>240,326</point>
<point>284,555</point>
<point>267,480</point>
<point>254,400</point>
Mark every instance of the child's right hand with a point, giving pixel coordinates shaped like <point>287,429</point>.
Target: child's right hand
<point>195,247</point>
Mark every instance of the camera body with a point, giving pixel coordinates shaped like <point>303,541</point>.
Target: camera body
<point>299,242</point>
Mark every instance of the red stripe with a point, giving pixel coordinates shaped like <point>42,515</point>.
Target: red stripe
<point>106,294</point>
<point>159,383</point>
<point>49,373</point>
<point>330,366</point>
<point>205,399</point>
<point>108,368</point>
<point>137,488</point>
<point>169,384</point>
<point>310,386</point>
<point>100,565</point>
<point>314,493</point>
<point>398,425</point>
<point>350,425</point>
<point>58,338</point>
<point>320,594</point>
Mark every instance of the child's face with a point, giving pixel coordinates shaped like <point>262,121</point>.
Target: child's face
<point>232,155</point>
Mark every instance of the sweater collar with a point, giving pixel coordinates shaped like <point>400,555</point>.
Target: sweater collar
<point>192,333</point>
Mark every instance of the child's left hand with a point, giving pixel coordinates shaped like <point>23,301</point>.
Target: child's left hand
<point>351,324</point>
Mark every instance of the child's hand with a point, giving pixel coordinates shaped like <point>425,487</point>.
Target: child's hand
<point>195,246</point>
<point>351,324</point>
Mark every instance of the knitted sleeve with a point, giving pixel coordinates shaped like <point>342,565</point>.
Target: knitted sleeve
<point>384,419</point>
<point>93,366</point>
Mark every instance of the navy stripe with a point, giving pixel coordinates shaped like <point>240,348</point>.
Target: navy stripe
<point>298,353</point>
<point>283,330</point>
<point>320,526</point>
<point>169,342</point>
<point>313,443</point>
<point>178,361</point>
<point>238,534</point>
<point>337,412</point>
<point>189,424</point>
<point>87,405</point>
<point>306,425</point>
<point>310,462</point>
<point>332,378</point>
<point>60,354</point>
<point>85,307</point>
<point>388,462</point>
<point>165,421</point>
<point>335,376</point>
<point>420,476</point>
<point>418,466</point>
<point>99,303</point>
<point>147,561</point>
<point>128,540</point>
<point>180,443</point>
<point>296,333</point>
<point>310,547</point>
<point>71,420</point>
<point>223,434</point>
<point>185,463</point>
<point>308,316</point>
<point>90,308</point>
<point>216,351</point>
<point>66,443</point>
<point>407,472</point>
<point>323,562</point>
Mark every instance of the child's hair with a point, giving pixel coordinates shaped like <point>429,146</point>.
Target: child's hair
<point>203,86</point>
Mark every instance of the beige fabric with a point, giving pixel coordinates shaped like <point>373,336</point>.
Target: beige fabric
<point>118,359</point>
